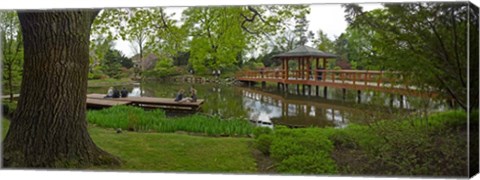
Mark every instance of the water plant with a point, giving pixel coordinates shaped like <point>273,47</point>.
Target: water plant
<point>137,119</point>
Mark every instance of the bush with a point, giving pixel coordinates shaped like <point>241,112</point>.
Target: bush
<point>262,130</point>
<point>298,150</point>
<point>407,147</point>
<point>434,146</point>
<point>312,163</point>
<point>263,143</point>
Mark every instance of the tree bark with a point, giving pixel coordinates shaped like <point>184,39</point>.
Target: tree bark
<point>49,127</point>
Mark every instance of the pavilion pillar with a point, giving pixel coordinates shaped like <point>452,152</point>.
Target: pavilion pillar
<point>316,69</point>
<point>299,75</point>
<point>324,63</point>
<point>308,68</point>
<point>285,68</point>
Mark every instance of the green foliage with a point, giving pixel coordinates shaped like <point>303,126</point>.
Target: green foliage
<point>218,39</point>
<point>323,43</point>
<point>411,146</point>
<point>408,147</point>
<point>261,131</point>
<point>113,63</point>
<point>5,126</point>
<point>150,30</point>
<point>305,151</point>
<point>433,36</point>
<point>137,119</point>
<point>264,143</point>
<point>12,51</point>
<point>313,163</point>
<point>163,68</point>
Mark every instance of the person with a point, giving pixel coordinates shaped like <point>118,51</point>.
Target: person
<point>179,96</point>
<point>116,93</point>
<point>109,93</point>
<point>124,92</point>
<point>193,96</point>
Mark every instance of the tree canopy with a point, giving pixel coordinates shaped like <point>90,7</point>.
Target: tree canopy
<point>426,42</point>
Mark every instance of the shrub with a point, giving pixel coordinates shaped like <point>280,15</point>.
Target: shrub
<point>407,147</point>
<point>298,150</point>
<point>263,143</point>
<point>262,130</point>
<point>312,163</point>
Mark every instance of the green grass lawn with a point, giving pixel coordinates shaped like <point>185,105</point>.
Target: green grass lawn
<point>162,152</point>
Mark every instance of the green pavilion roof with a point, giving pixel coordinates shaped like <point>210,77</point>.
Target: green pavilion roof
<point>305,51</point>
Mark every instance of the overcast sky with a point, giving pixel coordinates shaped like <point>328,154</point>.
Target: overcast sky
<point>330,18</point>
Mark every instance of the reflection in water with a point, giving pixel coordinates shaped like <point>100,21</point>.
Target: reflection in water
<point>268,107</point>
<point>136,92</point>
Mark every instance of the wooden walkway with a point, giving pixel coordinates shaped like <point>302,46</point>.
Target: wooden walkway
<point>98,101</point>
<point>145,102</point>
<point>388,82</point>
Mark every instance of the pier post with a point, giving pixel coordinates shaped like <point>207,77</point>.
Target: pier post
<point>298,89</point>
<point>391,100</point>
<point>325,92</point>
<point>401,101</point>
<point>286,88</point>
<point>316,90</point>
<point>309,90</point>
<point>359,96</point>
<point>344,93</point>
<point>278,86</point>
<point>303,89</point>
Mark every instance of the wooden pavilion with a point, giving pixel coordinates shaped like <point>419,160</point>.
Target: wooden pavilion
<point>304,55</point>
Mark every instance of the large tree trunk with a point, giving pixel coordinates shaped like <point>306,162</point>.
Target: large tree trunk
<point>49,127</point>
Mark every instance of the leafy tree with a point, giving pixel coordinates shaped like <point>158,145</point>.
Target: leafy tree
<point>49,127</point>
<point>150,30</point>
<point>217,37</point>
<point>113,61</point>
<point>98,48</point>
<point>323,43</point>
<point>426,42</point>
<point>12,49</point>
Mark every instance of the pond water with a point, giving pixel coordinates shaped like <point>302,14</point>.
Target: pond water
<point>269,106</point>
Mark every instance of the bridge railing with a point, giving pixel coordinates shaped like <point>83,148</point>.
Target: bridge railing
<point>353,77</point>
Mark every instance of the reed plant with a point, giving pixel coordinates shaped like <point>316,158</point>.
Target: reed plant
<point>137,119</point>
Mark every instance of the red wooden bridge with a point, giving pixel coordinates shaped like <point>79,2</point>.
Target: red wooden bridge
<point>308,72</point>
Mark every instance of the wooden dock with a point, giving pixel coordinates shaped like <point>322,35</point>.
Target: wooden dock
<point>145,102</point>
<point>102,103</point>
<point>98,101</point>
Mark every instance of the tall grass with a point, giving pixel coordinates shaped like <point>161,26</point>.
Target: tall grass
<point>137,119</point>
